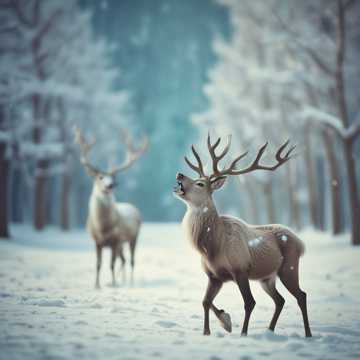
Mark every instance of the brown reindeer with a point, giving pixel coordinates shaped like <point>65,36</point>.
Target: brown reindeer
<point>111,224</point>
<point>232,250</point>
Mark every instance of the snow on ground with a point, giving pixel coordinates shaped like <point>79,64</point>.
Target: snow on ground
<point>49,308</point>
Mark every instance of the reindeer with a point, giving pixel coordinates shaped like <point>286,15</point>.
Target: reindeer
<point>232,250</point>
<point>111,224</point>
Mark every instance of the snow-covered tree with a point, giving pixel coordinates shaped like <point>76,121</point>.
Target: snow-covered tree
<point>54,73</point>
<point>270,81</point>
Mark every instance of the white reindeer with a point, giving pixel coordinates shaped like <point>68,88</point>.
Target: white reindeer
<point>232,250</point>
<point>111,224</point>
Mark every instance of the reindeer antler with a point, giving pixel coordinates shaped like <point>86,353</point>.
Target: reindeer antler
<point>133,153</point>
<point>255,165</point>
<point>85,148</point>
<point>199,169</point>
<point>231,170</point>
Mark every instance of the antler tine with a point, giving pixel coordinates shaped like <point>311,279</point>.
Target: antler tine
<point>255,165</point>
<point>199,169</point>
<point>217,142</point>
<point>288,153</point>
<point>216,158</point>
<point>127,139</point>
<point>132,153</point>
<point>233,164</point>
<point>85,148</point>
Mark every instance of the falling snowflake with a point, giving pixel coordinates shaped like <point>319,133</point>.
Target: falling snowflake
<point>291,268</point>
<point>208,229</point>
<point>205,210</point>
<point>284,238</point>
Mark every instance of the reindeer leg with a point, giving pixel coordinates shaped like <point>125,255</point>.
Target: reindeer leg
<point>213,288</point>
<point>132,259</point>
<point>98,265</point>
<point>112,264</point>
<point>289,275</point>
<point>269,286</point>
<point>224,318</point>
<point>249,301</point>
<point>123,262</point>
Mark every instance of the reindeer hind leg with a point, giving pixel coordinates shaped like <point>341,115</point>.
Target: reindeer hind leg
<point>132,258</point>
<point>269,286</point>
<point>289,276</point>
<point>123,263</point>
<point>112,264</point>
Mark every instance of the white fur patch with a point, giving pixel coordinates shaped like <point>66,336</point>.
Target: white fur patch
<point>256,241</point>
<point>107,180</point>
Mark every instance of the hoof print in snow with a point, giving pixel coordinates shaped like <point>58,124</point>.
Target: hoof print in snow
<point>166,324</point>
<point>214,357</point>
<point>96,306</point>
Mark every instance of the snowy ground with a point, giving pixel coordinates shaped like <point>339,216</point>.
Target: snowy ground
<point>50,310</point>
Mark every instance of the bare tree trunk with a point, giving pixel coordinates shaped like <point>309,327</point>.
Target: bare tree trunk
<point>255,214</point>
<point>334,182</point>
<point>320,174</point>
<point>66,179</point>
<point>353,194</point>
<point>65,195</point>
<point>311,182</point>
<point>41,165</point>
<point>4,193</point>
<point>348,144</point>
<point>39,196</point>
<point>269,198</point>
<point>294,205</point>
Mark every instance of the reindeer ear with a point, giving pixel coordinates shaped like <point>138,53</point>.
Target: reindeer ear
<point>217,183</point>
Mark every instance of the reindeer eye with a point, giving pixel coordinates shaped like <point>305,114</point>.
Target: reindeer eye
<point>101,177</point>
<point>200,184</point>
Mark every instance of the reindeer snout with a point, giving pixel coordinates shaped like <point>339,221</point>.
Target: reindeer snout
<point>179,176</point>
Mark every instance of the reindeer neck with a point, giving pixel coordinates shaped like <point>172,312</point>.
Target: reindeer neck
<point>202,225</point>
<point>101,208</point>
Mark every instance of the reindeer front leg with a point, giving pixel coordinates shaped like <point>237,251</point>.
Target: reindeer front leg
<point>223,317</point>
<point>98,265</point>
<point>213,288</point>
<point>249,301</point>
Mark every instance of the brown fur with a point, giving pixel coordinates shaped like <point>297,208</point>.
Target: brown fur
<point>232,250</point>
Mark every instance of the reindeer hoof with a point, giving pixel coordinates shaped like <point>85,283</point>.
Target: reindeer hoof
<point>225,321</point>
<point>206,332</point>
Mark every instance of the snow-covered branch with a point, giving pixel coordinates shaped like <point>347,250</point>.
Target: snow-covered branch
<point>324,118</point>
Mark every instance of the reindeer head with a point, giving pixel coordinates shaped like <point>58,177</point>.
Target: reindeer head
<point>104,181</point>
<point>197,192</point>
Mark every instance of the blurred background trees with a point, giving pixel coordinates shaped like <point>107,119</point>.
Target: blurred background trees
<point>263,71</point>
<point>289,72</point>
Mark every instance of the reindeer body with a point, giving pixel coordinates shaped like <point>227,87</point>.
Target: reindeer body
<point>110,221</point>
<point>232,250</point>
<point>112,224</point>
<point>228,245</point>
